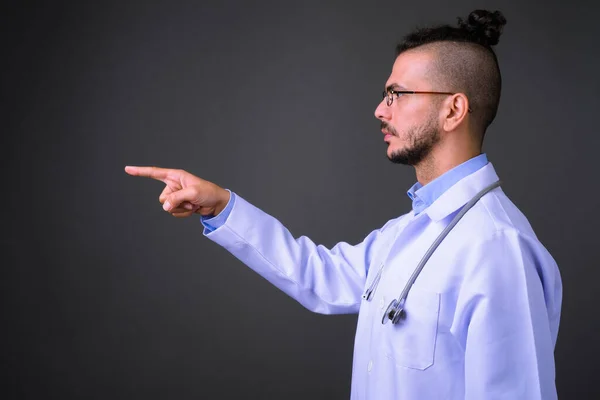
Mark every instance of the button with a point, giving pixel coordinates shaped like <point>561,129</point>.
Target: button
<point>370,366</point>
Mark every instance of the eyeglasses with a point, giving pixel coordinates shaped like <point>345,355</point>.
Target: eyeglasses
<point>389,95</point>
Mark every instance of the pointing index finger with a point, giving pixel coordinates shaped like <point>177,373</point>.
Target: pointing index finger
<point>148,172</point>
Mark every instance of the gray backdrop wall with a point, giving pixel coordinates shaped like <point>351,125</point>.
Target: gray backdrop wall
<point>104,295</point>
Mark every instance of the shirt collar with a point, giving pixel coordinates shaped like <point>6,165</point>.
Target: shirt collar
<point>424,196</point>
<point>463,191</point>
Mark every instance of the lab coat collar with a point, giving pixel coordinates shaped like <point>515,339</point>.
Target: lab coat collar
<point>462,191</point>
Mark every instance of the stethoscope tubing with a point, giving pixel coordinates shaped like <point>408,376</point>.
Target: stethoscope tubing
<point>395,310</point>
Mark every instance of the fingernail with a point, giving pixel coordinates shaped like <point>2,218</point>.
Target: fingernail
<point>166,206</point>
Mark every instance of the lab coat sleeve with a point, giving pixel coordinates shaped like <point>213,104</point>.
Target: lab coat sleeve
<point>504,321</point>
<point>327,281</point>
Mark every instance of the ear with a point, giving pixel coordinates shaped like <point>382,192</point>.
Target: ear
<point>455,111</point>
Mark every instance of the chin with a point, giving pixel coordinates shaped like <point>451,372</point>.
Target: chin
<point>393,150</point>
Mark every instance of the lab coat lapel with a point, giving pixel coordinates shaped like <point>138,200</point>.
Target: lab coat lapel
<point>463,191</point>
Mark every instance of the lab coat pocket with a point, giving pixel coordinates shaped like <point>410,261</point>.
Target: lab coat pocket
<point>411,342</point>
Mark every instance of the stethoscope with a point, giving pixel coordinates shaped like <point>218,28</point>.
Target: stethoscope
<point>395,311</point>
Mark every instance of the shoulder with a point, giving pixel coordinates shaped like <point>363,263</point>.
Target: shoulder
<point>496,220</point>
<point>500,235</point>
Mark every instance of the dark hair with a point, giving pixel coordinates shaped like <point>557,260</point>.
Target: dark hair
<point>464,60</point>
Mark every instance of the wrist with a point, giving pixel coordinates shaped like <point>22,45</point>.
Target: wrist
<point>222,203</point>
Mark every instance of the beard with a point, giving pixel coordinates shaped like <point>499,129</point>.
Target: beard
<point>421,141</point>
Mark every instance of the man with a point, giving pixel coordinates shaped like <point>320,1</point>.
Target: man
<point>479,317</point>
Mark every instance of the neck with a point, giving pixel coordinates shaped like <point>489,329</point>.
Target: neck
<point>442,159</point>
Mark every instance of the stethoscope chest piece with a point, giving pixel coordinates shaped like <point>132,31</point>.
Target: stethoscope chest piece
<point>395,312</point>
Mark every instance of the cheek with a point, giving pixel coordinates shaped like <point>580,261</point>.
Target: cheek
<point>403,127</point>
<point>408,118</point>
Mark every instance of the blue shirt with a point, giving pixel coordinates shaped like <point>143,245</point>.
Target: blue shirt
<point>423,196</point>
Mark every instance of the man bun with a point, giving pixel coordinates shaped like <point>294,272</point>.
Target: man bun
<point>484,27</point>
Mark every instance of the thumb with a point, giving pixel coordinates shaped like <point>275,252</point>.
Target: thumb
<point>175,199</point>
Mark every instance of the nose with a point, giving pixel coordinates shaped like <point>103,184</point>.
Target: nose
<point>382,112</point>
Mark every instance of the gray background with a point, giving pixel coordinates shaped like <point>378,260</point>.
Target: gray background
<point>104,295</point>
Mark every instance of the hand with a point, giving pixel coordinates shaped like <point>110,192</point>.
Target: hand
<point>185,193</point>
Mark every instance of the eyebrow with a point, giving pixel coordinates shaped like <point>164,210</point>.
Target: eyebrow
<point>394,86</point>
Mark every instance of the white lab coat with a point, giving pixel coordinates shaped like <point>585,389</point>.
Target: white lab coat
<point>481,319</point>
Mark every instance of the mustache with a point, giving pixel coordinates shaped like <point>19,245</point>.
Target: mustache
<point>386,127</point>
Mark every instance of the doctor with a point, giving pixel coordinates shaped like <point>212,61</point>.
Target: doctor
<point>477,319</point>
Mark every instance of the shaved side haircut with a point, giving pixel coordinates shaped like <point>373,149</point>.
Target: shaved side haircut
<point>465,61</point>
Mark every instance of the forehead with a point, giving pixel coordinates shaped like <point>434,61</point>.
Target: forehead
<point>410,70</point>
